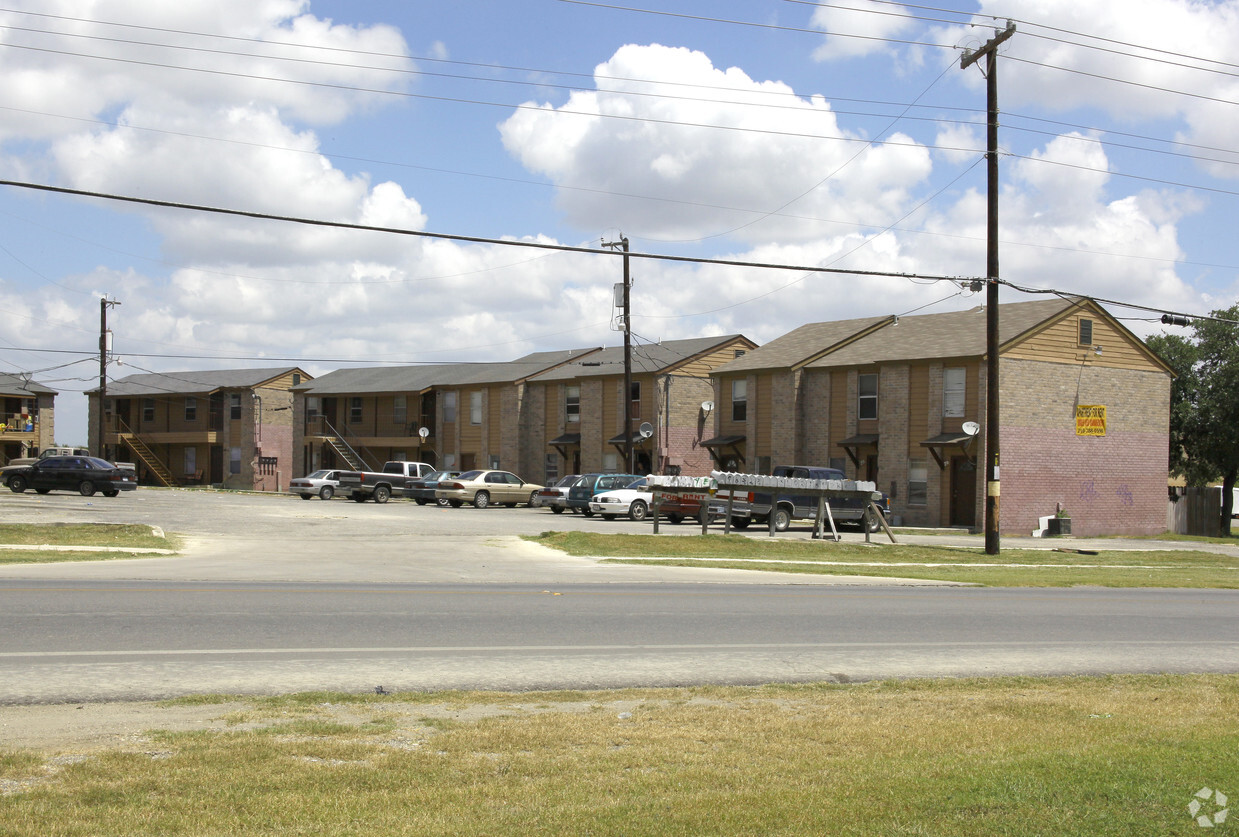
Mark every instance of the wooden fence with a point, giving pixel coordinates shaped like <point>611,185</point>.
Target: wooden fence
<point>1195,511</point>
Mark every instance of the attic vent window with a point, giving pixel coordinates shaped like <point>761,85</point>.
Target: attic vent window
<point>1086,332</point>
<point>740,352</point>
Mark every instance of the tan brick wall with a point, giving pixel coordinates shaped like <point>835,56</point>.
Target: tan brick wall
<point>1114,484</point>
<point>814,410</point>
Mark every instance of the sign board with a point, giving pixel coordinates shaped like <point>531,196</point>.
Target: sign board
<point>1090,420</point>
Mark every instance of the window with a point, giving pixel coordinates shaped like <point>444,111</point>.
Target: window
<point>867,401</point>
<point>449,406</point>
<point>740,399</point>
<point>234,461</point>
<point>475,407</point>
<point>953,391</point>
<point>312,406</point>
<point>354,410</point>
<point>191,411</point>
<point>296,378</point>
<point>572,405</point>
<point>739,353</point>
<point>634,409</point>
<point>449,460</point>
<point>234,405</point>
<point>400,412</point>
<point>191,461</point>
<point>918,483</point>
<point>1086,332</point>
<point>839,463</point>
<point>494,461</point>
<point>610,462</point>
<point>148,409</point>
<point>552,468</point>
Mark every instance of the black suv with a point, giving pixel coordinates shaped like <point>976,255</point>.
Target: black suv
<point>590,484</point>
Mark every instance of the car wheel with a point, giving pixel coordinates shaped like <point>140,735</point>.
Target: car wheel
<point>587,512</point>
<point>420,501</point>
<point>42,490</point>
<point>481,500</point>
<point>557,509</point>
<point>111,493</point>
<point>535,502</point>
<point>326,492</point>
<point>870,524</point>
<point>445,503</point>
<point>638,510</point>
<point>382,494</point>
<point>455,503</point>
<point>86,488</point>
<point>782,519</point>
<point>359,498</point>
<point>304,496</point>
<point>608,517</point>
<point>17,484</point>
<point>675,518</point>
<point>740,522</point>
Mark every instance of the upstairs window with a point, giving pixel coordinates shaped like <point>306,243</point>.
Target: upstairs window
<point>867,397</point>
<point>400,410</point>
<point>191,409</point>
<point>449,406</point>
<point>634,409</point>
<point>740,399</point>
<point>354,410</point>
<point>234,405</point>
<point>475,407</point>
<point>148,409</point>
<point>572,405</point>
<point>954,383</point>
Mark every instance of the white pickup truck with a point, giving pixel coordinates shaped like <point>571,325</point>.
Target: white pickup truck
<point>362,485</point>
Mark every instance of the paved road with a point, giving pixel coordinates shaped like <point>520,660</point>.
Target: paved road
<point>275,594</point>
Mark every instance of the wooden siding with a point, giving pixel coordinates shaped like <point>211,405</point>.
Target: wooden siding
<point>1059,342</point>
<point>761,414</point>
<point>918,410</point>
<point>703,365</point>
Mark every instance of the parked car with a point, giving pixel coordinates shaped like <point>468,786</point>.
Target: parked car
<point>555,497</point>
<point>482,488</point>
<point>422,489</point>
<point>637,501</point>
<point>321,484</point>
<point>588,485</point>
<point>789,506</point>
<point>83,474</point>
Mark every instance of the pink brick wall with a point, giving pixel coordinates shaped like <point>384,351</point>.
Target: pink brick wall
<point>1109,485</point>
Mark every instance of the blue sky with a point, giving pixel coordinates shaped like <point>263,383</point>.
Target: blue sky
<point>839,134</point>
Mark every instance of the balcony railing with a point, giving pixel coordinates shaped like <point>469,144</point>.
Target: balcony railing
<point>18,423</point>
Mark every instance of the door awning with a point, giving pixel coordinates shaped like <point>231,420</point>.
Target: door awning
<point>938,445</point>
<point>854,443</point>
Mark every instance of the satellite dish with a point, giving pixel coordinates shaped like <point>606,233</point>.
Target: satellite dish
<point>423,432</point>
<point>646,430</point>
<point>707,406</point>
<point>972,428</point>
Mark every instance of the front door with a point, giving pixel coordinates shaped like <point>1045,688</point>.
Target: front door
<point>963,492</point>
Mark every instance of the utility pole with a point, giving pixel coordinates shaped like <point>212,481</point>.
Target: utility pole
<point>626,398</point>
<point>105,346</point>
<point>990,51</point>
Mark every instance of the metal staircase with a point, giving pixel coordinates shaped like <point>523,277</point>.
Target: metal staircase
<point>153,463</point>
<point>343,449</point>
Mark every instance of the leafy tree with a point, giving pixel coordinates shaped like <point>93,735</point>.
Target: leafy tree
<point>1204,404</point>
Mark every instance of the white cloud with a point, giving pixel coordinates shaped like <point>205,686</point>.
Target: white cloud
<point>858,27</point>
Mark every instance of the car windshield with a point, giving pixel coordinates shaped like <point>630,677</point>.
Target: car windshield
<point>438,475</point>
<point>95,462</point>
<point>318,475</point>
<point>469,475</point>
<point>641,483</point>
<point>570,480</point>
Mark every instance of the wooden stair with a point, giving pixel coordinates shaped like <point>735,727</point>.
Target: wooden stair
<point>153,463</point>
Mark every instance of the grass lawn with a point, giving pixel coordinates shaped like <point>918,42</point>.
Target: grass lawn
<point>1016,756</point>
<point>115,536</point>
<point>1011,568</point>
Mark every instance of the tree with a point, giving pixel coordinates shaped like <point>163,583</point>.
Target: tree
<point>1204,404</point>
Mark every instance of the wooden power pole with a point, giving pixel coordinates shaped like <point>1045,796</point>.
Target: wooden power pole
<point>990,51</point>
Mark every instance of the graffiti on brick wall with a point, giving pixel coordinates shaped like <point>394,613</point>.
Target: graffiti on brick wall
<point>1089,492</point>
<point>1125,496</point>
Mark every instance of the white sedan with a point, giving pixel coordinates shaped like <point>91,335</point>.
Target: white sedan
<point>634,501</point>
<point>318,484</point>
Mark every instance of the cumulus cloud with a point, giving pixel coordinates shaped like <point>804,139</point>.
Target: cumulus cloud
<point>858,27</point>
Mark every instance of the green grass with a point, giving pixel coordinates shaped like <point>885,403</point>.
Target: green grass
<point>1015,756</point>
<point>1017,568</point>
<point>118,536</point>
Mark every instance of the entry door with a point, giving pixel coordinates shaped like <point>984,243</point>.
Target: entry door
<point>963,492</point>
<point>871,468</point>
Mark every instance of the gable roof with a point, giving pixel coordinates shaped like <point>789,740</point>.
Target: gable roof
<point>21,386</point>
<point>801,345</point>
<point>195,382</point>
<point>646,358</point>
<point>946,335</point>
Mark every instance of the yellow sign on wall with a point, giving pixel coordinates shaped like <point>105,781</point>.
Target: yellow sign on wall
<point>1090,420</point>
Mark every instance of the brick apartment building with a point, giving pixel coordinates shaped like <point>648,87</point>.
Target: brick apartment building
<point>230,428</point>
<point>1084,414</point>
<point>575,413</point>
<point>28,418</point>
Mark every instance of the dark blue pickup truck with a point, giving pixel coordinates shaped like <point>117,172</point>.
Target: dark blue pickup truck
<point>789,507</point>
